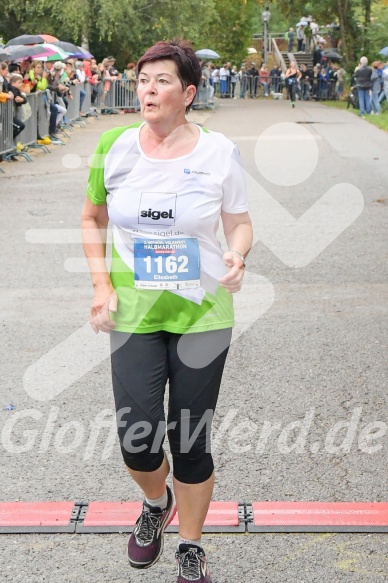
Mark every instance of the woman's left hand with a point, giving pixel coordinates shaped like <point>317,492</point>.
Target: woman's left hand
<point>232,281</point>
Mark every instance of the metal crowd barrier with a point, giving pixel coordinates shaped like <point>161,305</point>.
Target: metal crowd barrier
<point>87,103</point>
<point>6,128</point>
<point>29,135</point>
<point>73,104</point>
<point>43,116</point>
<point>204,97</point>
<point>248,86</point>
<point>116,95</point>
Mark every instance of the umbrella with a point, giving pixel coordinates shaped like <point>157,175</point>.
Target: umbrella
<point>82,54</point>
<point>23,52</point>
<point>251,51</point>
<point>31,39</point>
<point>384,52</point>
<point>302,23</point>
<point>331,54</point>
<point>73,50</point>
<point>207,54</point>
<point>4,56</point>
<point>68,47</point>
<point>51,52</point>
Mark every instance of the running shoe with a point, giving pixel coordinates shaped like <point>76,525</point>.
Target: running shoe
<point>292,103</point>
<point>192,564</point>
<point>145,545</point>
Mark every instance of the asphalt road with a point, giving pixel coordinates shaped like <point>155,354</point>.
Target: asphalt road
<point>303,407</point>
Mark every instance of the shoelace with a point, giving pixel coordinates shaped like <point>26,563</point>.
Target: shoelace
<point>148,523</point>
<point>190,565</point>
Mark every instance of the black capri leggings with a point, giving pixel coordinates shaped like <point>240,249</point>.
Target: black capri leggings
<point>291,87</point>
<point>193,365</point>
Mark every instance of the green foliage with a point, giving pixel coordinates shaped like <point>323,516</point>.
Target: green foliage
<point>364,23</point>
<point>126,28</point>
<point>230,33</point>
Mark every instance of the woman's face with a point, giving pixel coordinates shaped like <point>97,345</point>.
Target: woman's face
<point>160,92</point>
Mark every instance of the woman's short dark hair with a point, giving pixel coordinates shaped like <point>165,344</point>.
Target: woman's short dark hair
<point>177,50</point>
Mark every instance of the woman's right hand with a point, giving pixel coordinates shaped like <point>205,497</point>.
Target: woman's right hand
<point>105,301</point>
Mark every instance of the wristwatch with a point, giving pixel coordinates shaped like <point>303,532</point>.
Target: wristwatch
<point>240,256</point>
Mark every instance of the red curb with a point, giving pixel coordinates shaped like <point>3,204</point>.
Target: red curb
<point>126,514</point>
<point>219,514</point>
<point>320,513</point>
<point>112,513</point>
<point>35,513</point>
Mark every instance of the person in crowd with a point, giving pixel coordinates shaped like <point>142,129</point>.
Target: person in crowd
<point>5,76</point>
<point>49,68</point>
<point>216,80</point>
<point>15,87</point>
<point>339,77</point>
<point>384,80</point>
<point>165,323</point>
<point>315,82</point>
<point>204,86</point>
<point>233,80</point>
<point>95,82</point>
<point>330,80</point>
<point>110,75</point>
<point>301,39</point>
<point>81,76</point>
<point>210,68</point>
<point>292,78</point>
<point>37,77</point>
<point>129,78</point>
<point>24,71</point>
<point>305,81</point>
<point>376,88</point>
<point>275,78</point>
<point>111,66</point>
<point>253,73</point>
<point>323,83</point>
<point>362,76</point>
<point>39,82</point>
<point>15,68</point>
<point>317,55</point>
<point>244,81</point>
<point>264,78</point>
<point>88,68</point>
<point>224,80</point>
<point>59,90</point>
<point>291,39</point>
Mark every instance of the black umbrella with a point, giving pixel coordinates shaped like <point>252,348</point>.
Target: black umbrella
<point>332,55</point>
<point>31,39</point>
<point>68,47</point>
<point>20,52</point>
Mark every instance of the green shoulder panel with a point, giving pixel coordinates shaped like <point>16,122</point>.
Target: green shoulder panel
<point>96,191</point>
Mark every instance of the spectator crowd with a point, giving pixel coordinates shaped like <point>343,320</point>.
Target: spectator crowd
<point>112,91</point>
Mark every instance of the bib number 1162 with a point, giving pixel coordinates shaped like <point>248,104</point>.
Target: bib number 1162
<point>169,264</point>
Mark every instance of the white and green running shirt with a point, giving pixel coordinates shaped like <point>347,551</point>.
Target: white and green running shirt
<point>155,201</point>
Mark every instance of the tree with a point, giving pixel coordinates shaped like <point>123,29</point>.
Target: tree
<point>126,28</point>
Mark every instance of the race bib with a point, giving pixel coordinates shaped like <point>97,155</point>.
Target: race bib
<point>166,263</point>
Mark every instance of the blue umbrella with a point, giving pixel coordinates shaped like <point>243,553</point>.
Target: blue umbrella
<point>302,23</point>
<point>384,52</point>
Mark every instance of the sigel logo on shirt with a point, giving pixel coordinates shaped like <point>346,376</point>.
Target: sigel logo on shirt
<point>157,208</point>
<point>156,215</point>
